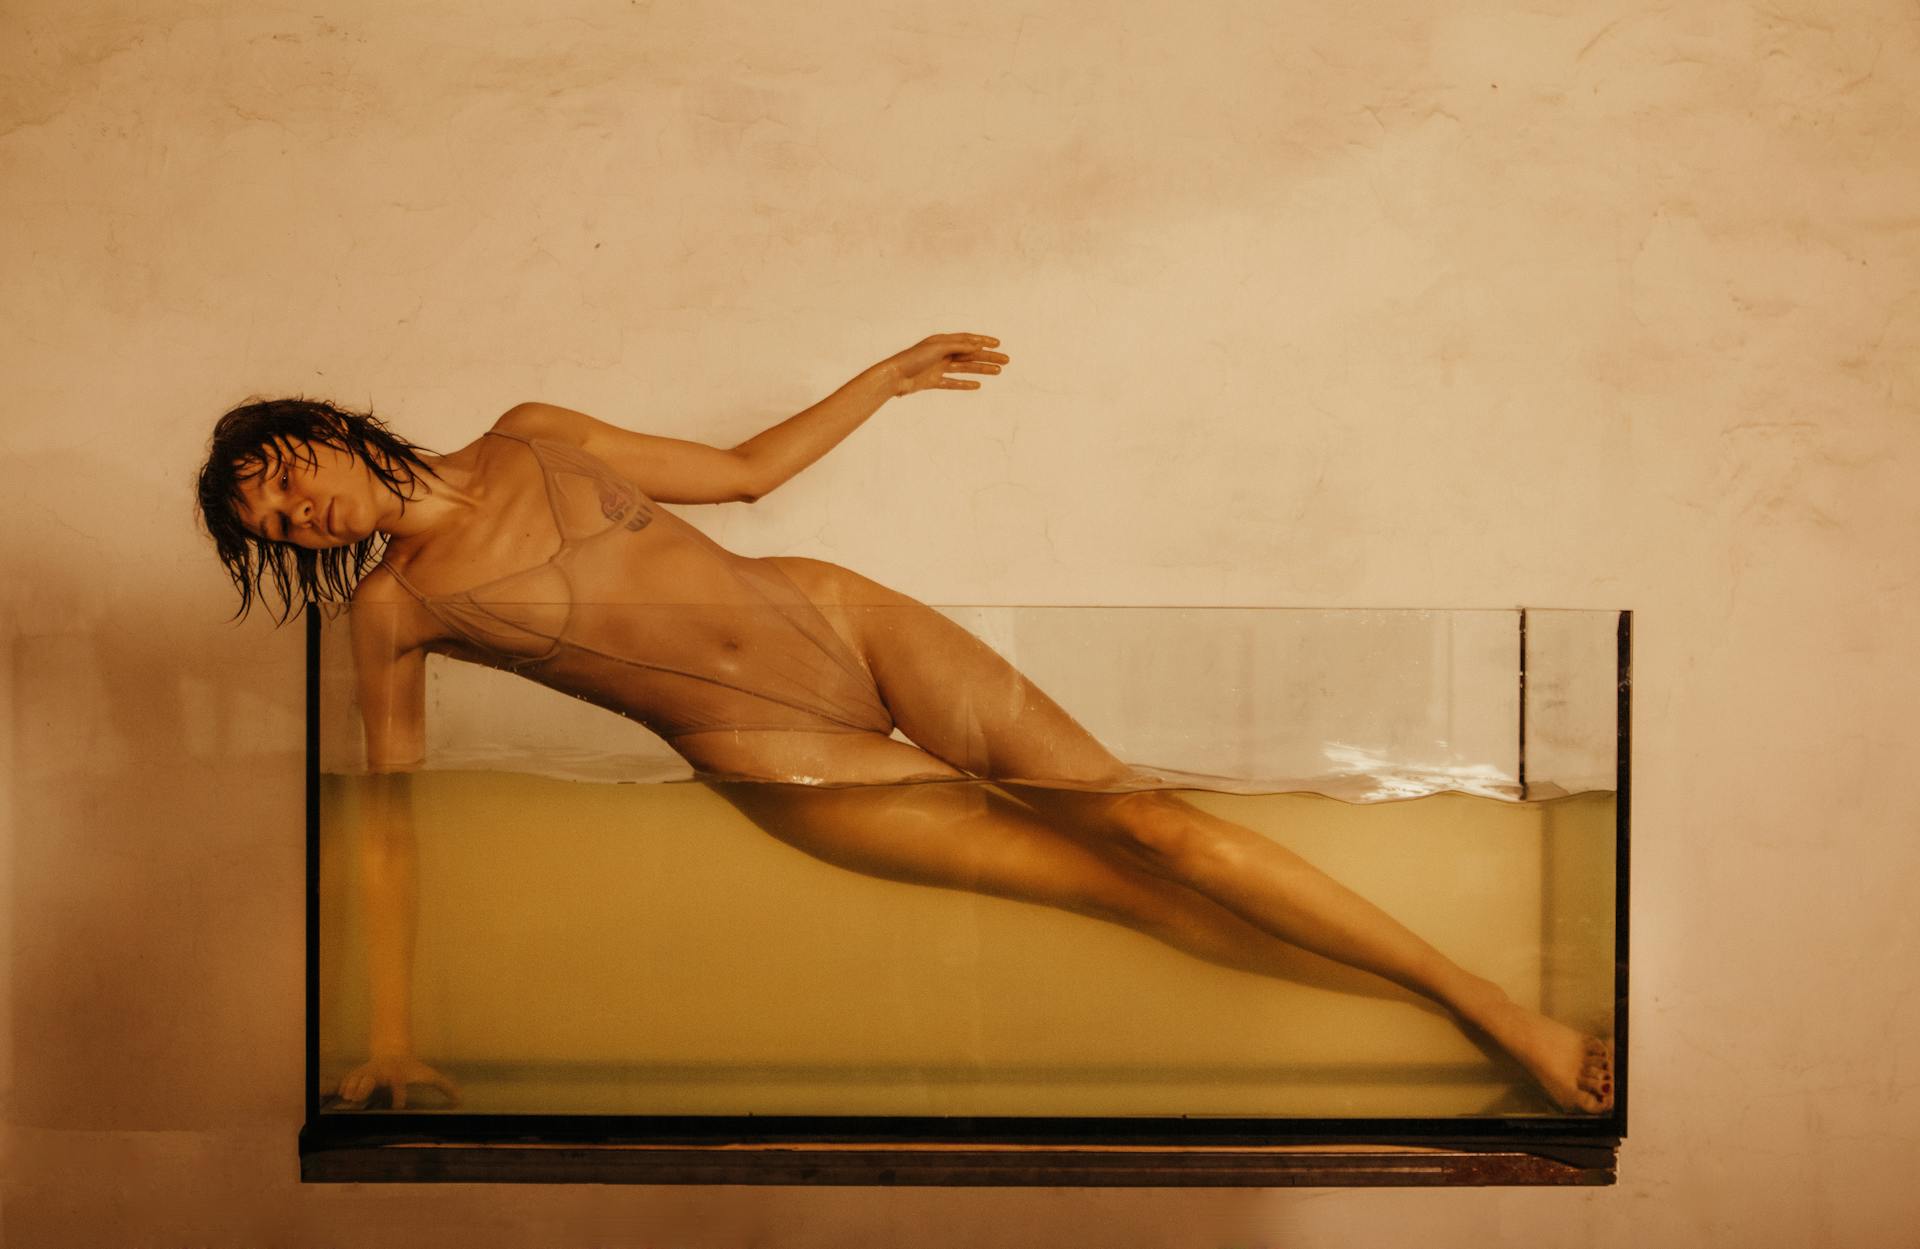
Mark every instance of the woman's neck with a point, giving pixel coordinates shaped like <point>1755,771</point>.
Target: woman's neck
<point>441,494</point>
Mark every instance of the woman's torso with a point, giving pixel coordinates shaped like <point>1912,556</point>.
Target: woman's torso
<point>566,573</point>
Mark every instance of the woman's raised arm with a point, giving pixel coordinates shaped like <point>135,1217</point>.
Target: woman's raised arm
<point>674,471</point>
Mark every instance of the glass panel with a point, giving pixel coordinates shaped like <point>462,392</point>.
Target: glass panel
<point>604,931</point>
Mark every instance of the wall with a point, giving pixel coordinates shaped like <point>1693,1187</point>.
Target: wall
<point>1309,305</point>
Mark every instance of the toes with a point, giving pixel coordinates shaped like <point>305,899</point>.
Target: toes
<point>1593,1096</point>
<point>1593,1085</point>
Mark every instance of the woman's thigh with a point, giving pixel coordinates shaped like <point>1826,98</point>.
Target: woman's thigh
<point>953,694</point>
<point>957,835</point>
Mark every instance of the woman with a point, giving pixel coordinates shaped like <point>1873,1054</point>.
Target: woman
<point>538,549</point>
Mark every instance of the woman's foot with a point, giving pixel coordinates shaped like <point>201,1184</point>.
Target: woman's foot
<point>1575,1069</point>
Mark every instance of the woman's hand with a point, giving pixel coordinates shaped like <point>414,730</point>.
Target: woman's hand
<point>926,364</point>
<point>392,1072</point>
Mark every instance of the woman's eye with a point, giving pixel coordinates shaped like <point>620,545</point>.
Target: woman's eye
<point>284,480</point>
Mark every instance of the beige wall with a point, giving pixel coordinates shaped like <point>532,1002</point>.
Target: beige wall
<point>1310,305</point>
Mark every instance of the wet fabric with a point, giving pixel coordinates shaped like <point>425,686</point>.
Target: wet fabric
<point>742,649</point>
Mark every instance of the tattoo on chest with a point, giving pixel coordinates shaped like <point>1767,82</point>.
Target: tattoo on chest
<point>622,504</point>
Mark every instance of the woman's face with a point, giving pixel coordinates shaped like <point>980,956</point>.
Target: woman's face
<point>313,495</point>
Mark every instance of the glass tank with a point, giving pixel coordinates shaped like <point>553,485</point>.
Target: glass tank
<point>601,942</point>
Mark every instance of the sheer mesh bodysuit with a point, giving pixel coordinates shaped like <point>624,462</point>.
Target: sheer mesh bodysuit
<point>753,653</point>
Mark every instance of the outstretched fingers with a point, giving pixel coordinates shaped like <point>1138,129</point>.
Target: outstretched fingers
<point>970,354</point>
<point>944,361</point>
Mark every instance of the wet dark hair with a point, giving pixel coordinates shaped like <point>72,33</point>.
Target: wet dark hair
<point>258,437</point>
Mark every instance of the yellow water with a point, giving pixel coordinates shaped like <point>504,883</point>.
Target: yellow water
<point>644,949</point>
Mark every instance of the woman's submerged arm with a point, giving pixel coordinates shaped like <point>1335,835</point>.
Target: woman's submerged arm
<point>389,895</point>
<point>675,471</point>
<point>391,675</point>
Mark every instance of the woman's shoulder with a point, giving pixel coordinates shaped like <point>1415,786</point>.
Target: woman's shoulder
<point>546,421</point>
<point>381,587</point>
<point>388,616</point>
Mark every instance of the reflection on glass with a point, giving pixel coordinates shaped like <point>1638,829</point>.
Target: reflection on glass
<point>602,931</point>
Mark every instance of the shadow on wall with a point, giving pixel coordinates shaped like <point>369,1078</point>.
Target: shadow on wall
<point>158,853</point>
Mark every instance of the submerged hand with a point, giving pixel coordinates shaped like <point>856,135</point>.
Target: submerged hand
<point>392,1072</point>
<point>925,365</point>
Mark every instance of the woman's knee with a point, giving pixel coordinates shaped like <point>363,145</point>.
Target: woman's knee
<point>1171,836</point>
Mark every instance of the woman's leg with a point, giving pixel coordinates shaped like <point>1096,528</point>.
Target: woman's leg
<point>967,836</point>
<point>964,704</point>
<point>1283,894</point>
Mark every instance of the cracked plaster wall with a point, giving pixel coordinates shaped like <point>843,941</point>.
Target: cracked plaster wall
<point>1310,305</point>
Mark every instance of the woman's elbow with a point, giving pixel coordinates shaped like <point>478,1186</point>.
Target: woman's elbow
<point>750,481</point>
